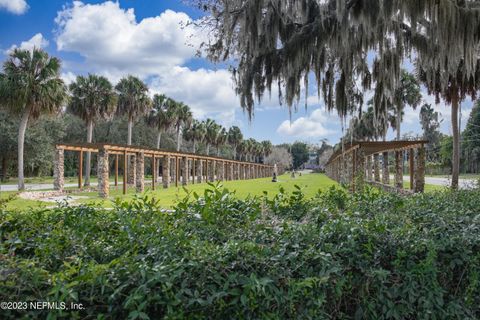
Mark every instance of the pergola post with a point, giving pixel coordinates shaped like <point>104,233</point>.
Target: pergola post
<point>238,172</point>
<point>177,170</point>
<point>212,170</point>
<point>369,168</point>
<point>200,171</point>
<point>411,156</point>
<point>154,172</point>
<point>385,173</point>
<point>166,172</point>
<point>194,168</point>
<point>80,170</point>
<point>376,167</point>
<point>132,171</point>
<point>420,170</point>
<point>59,169</point>
<point>399,169</point>
<point>232,174</point>
<point>140,174</point>
<point>125,172</point>
<point>186,172</point>
<point>359,169</point>
<point>102,173</point>
<point>116,170</point>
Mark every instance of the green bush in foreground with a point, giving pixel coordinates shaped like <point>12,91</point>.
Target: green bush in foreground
<point>337,256</point>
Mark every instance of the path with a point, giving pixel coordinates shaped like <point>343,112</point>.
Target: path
<point>442,181</point>
<point>42,186</point>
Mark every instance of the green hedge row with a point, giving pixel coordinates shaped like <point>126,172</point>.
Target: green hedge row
<point>337,256</point>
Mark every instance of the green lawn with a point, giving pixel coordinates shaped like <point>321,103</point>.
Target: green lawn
<point>310,184</point>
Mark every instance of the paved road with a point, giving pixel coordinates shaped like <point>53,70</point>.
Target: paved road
<point>438,181</point>
<point>40,186</point>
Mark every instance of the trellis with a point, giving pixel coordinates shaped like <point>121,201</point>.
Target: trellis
<point>177,167</point>
<point>359,162</point>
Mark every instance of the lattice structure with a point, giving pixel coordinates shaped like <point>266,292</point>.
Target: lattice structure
<point>174,166</point>
<point>357,163</point>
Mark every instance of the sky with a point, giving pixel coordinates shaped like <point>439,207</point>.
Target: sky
<point>154,40</point>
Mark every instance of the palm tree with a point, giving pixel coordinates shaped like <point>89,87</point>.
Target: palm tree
<point>183,118</point>
<point>242,150</point>
<point>195,133</point>
<point>407,92</point>
<point>31,86</point>
<point>222,138</point>
<point>212,129</point>
<point>235,136</point>
<point>251,146</point>
<point>133,100</point>
<point>267,149</point>
<point>161,115</point>
<point>92,98</point>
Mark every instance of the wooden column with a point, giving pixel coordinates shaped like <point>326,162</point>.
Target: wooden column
<point>369,168</point>
<point>116,170</point>
<point>194,174</point>
<point>80,170</point>
<point>212,171</point>
<point>411,161</point>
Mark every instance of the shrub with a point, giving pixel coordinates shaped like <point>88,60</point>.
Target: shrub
<point>339,255</point>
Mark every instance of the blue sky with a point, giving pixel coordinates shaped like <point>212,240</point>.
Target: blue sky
<point>152,39</point>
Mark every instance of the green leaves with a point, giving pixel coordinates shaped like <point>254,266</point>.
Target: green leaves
<point>338,255</point>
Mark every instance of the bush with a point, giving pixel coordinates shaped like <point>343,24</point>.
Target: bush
<point>352,256</point>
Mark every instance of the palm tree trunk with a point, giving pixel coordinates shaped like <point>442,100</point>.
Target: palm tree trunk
<point>399,121</point>
<point>208,148</point>
<point>130,126</point>
<point>88,163</point>
<point>234,152</point>
<point>159,139</point>
<point>178,139</point>
<point>21,143</point>
<point>218,151</point>
<point>456,143</point>
<point>194,146</point>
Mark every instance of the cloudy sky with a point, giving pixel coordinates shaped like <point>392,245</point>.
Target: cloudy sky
<point>154,40</point>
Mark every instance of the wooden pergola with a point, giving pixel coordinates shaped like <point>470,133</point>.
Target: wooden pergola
<point>176,166</point>
<point>352,164</point>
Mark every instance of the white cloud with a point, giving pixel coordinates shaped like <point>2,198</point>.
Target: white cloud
<point>68,77</point>
<point>37,41</point>
<point>111,39</point>
<point>14,6</point>
<point>313,126</point>
<point>209,93</point>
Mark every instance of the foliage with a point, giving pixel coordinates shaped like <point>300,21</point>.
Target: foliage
<point>281,157</point>
<point>429,119</point>
<point>299,151</point>
<point>368,255</point>
<point>471,140</point>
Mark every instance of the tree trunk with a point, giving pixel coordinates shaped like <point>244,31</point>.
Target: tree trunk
<point>21,143</point>
<point>218,151</point>
<point>88,163</point>
<point>208,148</point>
<point>194,146</point>
<point>159,139</point>
<point>4,168</point>
<point>399,122</point>
<point>456,143</point>
<point>130,126</point>
<point>178,139</point>
<point>234,152</point>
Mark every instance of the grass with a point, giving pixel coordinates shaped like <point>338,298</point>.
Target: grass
<point>310,184</point>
